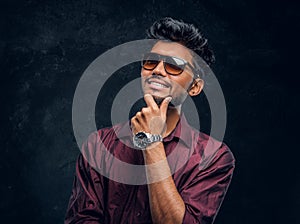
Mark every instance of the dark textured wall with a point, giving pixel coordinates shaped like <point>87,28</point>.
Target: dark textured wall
<point>46,45</point>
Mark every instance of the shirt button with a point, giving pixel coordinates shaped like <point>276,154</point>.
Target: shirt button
<point>138,214</point>
<point>91,204</point>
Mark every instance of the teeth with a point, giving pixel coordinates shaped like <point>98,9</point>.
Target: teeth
<point>158,84</point>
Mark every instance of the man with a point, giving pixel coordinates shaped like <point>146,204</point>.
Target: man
<point>191,194</point>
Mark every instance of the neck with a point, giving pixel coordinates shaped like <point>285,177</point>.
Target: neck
<point>173,115</point>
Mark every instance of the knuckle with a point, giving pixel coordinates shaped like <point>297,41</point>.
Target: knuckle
<point>145,110</point>
<point>156,110</point>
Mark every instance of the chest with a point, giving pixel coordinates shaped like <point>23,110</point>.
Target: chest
<point>127,203</point>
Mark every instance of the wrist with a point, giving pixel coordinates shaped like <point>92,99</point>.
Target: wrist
<point>154,153</point>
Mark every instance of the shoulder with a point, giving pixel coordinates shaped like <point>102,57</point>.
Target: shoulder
<point>99,146</point>
<point>101,139</point>
<point>211,150</point>
<point>105,134</point>
<point>216,153</point>
<point>206,150</point>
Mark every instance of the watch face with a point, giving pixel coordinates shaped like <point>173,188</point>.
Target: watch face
<point>140,140</point>
<point>141,135</point>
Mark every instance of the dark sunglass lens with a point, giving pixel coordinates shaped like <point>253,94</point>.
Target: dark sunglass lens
<point>149,64</point>
<point>173,69</point>
<point>174,65</point>
<point>150,61</point>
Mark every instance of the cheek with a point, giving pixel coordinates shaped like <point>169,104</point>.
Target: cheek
<point>183,82</point>
<point>145,73</point>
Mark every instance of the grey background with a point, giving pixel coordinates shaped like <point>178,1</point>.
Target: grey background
<point>46,45</point>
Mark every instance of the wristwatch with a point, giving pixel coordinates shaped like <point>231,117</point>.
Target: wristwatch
<point>142,139</point>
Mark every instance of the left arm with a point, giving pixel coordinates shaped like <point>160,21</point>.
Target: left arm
<point>166,204</point>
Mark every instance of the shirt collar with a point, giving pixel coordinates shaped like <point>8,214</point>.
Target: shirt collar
<point>182,131</point>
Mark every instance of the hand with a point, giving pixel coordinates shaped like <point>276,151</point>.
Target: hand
<point>151,119</point>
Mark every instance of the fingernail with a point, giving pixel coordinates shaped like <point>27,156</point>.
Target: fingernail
<point>169,99</point>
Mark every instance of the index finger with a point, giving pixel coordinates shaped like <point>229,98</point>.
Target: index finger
<point>150,101</point>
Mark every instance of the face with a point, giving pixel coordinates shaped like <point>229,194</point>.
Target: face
<point>160,84</point>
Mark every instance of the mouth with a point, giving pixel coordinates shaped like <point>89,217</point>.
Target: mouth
<point>157,83</point>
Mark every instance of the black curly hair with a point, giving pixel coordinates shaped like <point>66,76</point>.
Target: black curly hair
<point>184,33</point>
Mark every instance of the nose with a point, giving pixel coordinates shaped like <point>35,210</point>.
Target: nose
<point>159,69</point>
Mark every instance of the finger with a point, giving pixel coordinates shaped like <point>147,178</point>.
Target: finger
<point>135,125</point>
<point>164,106</point>
<point>150,101</point>
<point>138,115</point>
<point>145,112</point>
<point>140,122</point>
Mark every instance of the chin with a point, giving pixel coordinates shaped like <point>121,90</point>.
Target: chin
<point>157,94</point>
<point>158,99</point>
<point>174,103</point>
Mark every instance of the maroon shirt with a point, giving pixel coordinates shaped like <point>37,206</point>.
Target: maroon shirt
<point>202,181</point>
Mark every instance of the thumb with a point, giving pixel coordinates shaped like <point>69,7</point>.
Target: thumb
<point>164,106</point>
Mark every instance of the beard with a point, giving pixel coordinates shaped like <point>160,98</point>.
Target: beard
<point>176,101</point>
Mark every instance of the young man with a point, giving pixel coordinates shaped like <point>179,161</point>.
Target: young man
<point>190,195</point>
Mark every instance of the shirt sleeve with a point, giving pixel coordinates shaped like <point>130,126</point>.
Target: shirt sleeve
<point>86,201</point>
<point>205,192</point>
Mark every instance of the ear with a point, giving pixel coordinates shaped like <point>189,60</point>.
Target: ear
<point>196,87</point>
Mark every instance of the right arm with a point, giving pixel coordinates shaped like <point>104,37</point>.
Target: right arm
<point>86,204</point>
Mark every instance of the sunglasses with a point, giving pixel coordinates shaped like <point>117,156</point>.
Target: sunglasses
<point>172,65</point>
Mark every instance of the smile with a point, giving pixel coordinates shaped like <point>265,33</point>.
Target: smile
<point>157,84</point>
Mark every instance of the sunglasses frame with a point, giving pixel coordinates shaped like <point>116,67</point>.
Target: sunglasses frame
<point>163,58</point>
